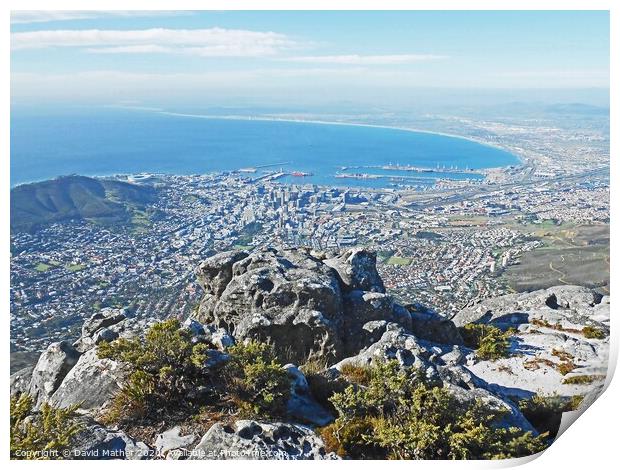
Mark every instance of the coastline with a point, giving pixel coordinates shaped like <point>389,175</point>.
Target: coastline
<point>268,118</point>
<point>337,123</point>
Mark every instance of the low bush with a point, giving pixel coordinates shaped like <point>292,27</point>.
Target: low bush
<point>401,415</point>
<point>166,369</point>
<point>490,342</point>
<point>40,435</point>
<point>168,376</point>
<point>257,382</point>
<point>582,379</point>
<point>545,412</point>
<point>592,332</point>
<point>566,367</point>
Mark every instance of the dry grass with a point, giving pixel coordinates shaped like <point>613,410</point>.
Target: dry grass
<point>357,374</point>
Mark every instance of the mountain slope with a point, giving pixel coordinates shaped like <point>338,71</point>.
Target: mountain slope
<point>75,197</point>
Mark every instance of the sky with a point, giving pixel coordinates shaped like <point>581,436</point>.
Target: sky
<point>239,58</point>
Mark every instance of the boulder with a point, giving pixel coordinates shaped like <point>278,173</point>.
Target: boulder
<point>20,380</point>
<point>171,444</point>
<point>357,270</point>
<point>512,417</point>
<point>301,405</point>
<point>91,383</point>
<point>428,325</point>
<point>285,297</point>
<point>571,304</point>
<point>104,325</point>
<point>102,319</point>
<point>95,442</point>
<point>306,306</point>
<point>394,344</point>
<point>51,368</point>
<point>252,440</point>
<point>215,273</point>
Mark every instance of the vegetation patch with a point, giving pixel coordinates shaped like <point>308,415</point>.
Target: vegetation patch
<point>256,381</point>
<point>75,267</point>
<point>41,435</point>
<point>592,332</point>
<point>401,415</point>
<point>554,326</point>
<point>582,379</point>
<point>398,261</point>
<point>545,412</point>
<point>42,267</point>
<point>171,379</point>
<point>490,342</point>
<point>357,374</point>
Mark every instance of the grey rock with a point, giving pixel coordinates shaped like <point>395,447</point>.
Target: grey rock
<point>252,440</point>
<point>512,417</point>
<point>285,297</point>
<point>357,269</point>
<point>194,327</point>
<point>219,337</point>
<point>561,303</point>
<point>301,404</point>
<point>215,359</point>
<point>105,318</point>
<point>394,344</point>
<point>91,383</point>
<point>454,357</point>
<point>51,368</point>
<point>105,334</point>
<point>305,306</point>
<point>215,273</point>
<point>95,442</point>
<point>433,327</point>
<point>20,380</point>
<point>172,440</point>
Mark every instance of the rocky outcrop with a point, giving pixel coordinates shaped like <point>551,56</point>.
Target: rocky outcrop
<point>172,445</point>
<point>305,305</point>
<point>335,310</point>
<point>301,405</point>
<point>252,440</point>
<point>96,442</point>
<point>550,345</point>
<point>91,383</point>
<point>574,305</point>
<point>357,270</point>
<point>52,367</point>
<point>20,380</point>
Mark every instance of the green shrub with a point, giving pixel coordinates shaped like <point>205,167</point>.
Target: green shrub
<point>582,379</point>
<point>41,435</point>
<point>545,412</point>
<point>165,370</point>
<point>489,341</point>
<point>401,415</point>
<point>322,385</point>
<point>256,380</point>
<point>591,332</point>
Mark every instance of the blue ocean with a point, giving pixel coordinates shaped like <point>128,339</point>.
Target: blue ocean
<point>107,141</point>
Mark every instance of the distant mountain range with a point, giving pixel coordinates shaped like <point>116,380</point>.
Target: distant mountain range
<point>76,198</point>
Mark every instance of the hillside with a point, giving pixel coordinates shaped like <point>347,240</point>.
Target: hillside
<point>75,197</point>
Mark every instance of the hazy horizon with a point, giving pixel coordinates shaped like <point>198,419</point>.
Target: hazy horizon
<point>426,59</point>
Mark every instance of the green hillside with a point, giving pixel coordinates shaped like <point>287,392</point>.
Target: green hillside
<point>78,198</point>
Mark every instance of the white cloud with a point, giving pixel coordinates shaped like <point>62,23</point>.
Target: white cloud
<point>206,42</point>
<point>354,59</point>
<point>45,16</point>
